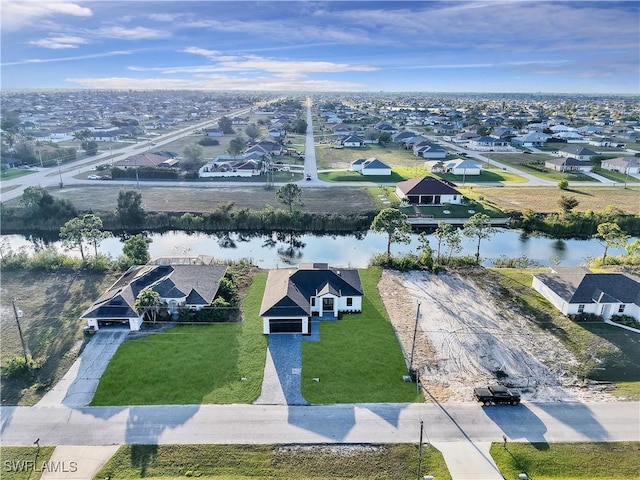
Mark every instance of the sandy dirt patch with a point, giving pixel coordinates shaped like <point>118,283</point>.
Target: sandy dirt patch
<point>465,339</point>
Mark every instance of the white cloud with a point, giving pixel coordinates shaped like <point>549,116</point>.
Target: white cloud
<point>60,41</point>
<point>67,59</point>
<point>17,14</point>
<point>135,33</point>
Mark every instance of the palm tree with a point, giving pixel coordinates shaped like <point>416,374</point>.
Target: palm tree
<point>148,304</point>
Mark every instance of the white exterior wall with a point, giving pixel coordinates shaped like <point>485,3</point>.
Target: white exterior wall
<point>135,324</point>
<point>238,173</point>
<point>466,171</point>
<point>356,167</point>
<point>376,171</point>
<point>356,305</point>
<point>93,322</point>
<point>550,295</point>
<point>352,144</point>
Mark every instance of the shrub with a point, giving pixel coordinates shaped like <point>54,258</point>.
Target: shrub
<point>20,367</point>
<point>563,184</point>
<point>626,320</point>
<point>208,141</point>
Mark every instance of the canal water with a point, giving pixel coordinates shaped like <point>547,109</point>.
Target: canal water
<point>278,249</point>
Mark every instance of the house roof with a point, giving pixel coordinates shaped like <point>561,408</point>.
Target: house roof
<point>146,159</point>
<point>288,292</point>
<point>581,286</point>
<point>426,186</point>
<point>577,150</point>
<point>623,162</point>
<point>198,282</point>
<point>373,162</point>
<point>568,162</point>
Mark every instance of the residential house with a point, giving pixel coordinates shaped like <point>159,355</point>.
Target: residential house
<point>370,166</point>
<point>570,136</point>
<point>576,151</point>
<point>628,165</point>
<point>228,166</point>
<point>147,159</point>
<point>352,141</point>
<point>385,127</point>
<point>181,282</point>
<point>488,143</point>
<point>457,166</point>
<point>531,139</point>
<point>341,129</point>
<point>293,296</point>
<point>428,191</point>
<point>213,132</point>
<point>429,150</point>
<point>568,164</point>
<point>576,291</point>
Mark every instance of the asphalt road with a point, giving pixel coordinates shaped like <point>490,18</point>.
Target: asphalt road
<point>368,423</point>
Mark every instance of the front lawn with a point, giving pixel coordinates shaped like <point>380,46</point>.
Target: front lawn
<point>564,461</point>
<point>24,463</point>
<point>358,358</point>
<point>191,364</point>
<point>349,176</point>
<point>246,462</point>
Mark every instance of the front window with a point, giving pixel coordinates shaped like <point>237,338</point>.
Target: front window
<point>580,308</point>
<point>313,301</point>
<point>621,308</point>
<point>349,301</point>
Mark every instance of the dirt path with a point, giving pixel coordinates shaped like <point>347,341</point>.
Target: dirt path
<point>465,339</point>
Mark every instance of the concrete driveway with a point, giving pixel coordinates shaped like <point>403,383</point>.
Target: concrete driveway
<point>281,383</point>
<point>79,384</point>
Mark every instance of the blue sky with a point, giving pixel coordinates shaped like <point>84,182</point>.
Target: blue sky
<point>427,46</point>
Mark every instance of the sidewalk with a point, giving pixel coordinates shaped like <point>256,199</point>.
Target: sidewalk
<point>468,460</point>
<point>77,462</point>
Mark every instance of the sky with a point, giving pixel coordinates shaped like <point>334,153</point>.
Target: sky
<point>413,46</point>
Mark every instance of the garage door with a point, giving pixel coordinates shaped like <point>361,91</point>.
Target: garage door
<point>113,323</point>
<point>285,325</point>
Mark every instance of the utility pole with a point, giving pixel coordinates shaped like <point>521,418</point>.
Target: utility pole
<point>18,313</point>
<point>413,346</point>
<point>420,452</point>
<point>60,173</point>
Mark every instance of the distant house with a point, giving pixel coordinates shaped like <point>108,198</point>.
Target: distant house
<point>531,139</point>
<point>456,166</point>
<point>181,282</point>
<point>568,164</point>
<point>213,132</point>
<point>628,165</point>
<point>352,141</point>
<point>578,290</point>
<point>370,166</point>
<point>576,151</point>
<point>429,150</point>
<point>228,166</point>
<point>385,127</point>
<point>428,191</point>
<point>341,129</point>
<point>147,159</point>
<point>488,143</point>
<point>292,296</point>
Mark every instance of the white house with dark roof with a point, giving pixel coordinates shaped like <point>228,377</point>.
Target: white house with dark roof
<point>428,191</point>
<point>181,282</point>
<point>568,164</point>
<point>630,165</point>
<point>457,166</point>
<point>292,296</point>
<point>576,151</point>
<point>370,166</point>
<point>574,291</point>
<point>352,141</point>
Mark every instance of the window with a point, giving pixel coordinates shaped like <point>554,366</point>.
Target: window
<point>313,301</point>
<point>350,302</point>
<point>580,308</point>
<point>621,308</point>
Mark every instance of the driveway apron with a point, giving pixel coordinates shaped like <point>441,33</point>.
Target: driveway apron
<point>79,384</point>
<point>281,384</point>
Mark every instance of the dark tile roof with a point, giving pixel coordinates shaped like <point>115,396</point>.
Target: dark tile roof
<point>426,186</point>
<point>579,285</point>
<point>568,162</point>
<point>288,292</point>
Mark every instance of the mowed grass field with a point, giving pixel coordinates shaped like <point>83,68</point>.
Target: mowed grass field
<point>51,303</point>
<point>19,463</point>
<point>271,462</point>
<point>198,198</point>
<point>545,199</point>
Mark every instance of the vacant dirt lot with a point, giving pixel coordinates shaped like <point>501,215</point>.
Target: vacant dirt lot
<point>465,340</point>
<point>195,198</point>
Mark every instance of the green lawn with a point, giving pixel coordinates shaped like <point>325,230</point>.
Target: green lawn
<point>358,358</point>
<point>14,173</point>
<point>349,176</point>
<point>270,462</point>
<point>614,176</point>
<point>568,461</point>
<point>191,364</point>
<point>24,463</point>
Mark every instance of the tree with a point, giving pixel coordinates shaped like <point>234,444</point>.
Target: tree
<point>90,147</point>
<point>291,195</point>
<point>82,135</point>
<point>633,249</point>
<point>93,231</point>
<point>226,125</point>
<point>299,126</point>
<point>567,203</point>
<point>427,252</point>
<point>610,235</point>
<point>136,250</point>
<point>444,229</point>
<point>384,139</point>
<point>252,131</point>
<point>129,208</point>
<point>453,241</point>
<point>563,184</point>
<point>478,226</point>
<point>371,134</point>
<point>193,155</point>
<point>236,146</point>
<point>395,224</point>
<point>72,235</point>
<point>148,304</point>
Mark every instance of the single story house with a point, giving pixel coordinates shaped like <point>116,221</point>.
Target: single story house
<point>146,159</point>
<point>629,165</point>
<point>292,296</point>
<point>428,191</point>
<point>488,143</point>
<point>429,150</point>
<point>456,166</point>
<point>213,132</point>
<point>574,291</point>
<point>576,151</point>
<point>181,282</point>
<point>568,164</point>
<point>531,139</point>
<point>370,166</point>
<point>352,141</point>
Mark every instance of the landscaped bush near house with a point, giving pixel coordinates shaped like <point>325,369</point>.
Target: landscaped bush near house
<point>585,317</point>
<point>626,320</point>
<point>208,141</point>
<point>19,366</point>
